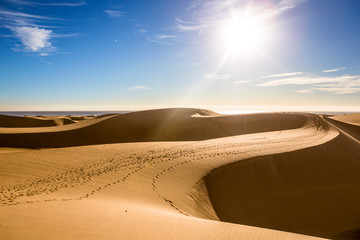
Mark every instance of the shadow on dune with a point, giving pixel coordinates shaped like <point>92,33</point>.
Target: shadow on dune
<point>153,125</point>
<point>348,235</point>
<point>312,191</point>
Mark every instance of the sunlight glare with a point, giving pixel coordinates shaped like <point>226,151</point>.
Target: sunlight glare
<point>243,33</point>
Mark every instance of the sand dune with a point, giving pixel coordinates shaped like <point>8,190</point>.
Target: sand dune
<point>152,125</point>
<point>147,189</point>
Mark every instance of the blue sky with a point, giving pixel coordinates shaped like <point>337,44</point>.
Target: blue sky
<point>222,55</point>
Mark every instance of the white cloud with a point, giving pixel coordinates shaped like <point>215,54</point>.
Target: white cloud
<point>334,70</point>
<point>28,30</point>
<point>33,38</point>
<point>339,90</point>
<point>164,36</point>
<point>308,80</point>
<point>138,88</point>
<point>346,84</point>
<point>114,13</point>
<point>241,82</point>
<point>304,91</point>
<point>163,39</point>
<point>44,54</point>
<point>217,76</point>
<point>283,75</point>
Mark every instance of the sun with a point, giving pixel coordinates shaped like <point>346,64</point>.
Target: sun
<point>244,32</point>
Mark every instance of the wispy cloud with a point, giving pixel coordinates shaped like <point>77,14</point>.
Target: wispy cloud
<point>285,5</point>
<point>164,36</point>
<point>142,31</point>
<point>308,80</point>
<point>114,13</point>
<point>64,4</point>
<point>163,39</point>
<point>12,15</point>
<point>349,89</point>
<point>334,70</point>
<point>215,76</point>
<point>139,88</point>
<point>241,82</point>
<point>283,75</point>
<point>184,26</point>
<point>34,3</point>
<point>346,84</point>
<point>209,14</point>
<point>304,91</point>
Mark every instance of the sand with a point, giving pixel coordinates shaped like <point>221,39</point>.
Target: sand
<point>141,176</point>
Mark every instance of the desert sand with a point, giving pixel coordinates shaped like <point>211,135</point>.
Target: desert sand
<point>180,174</point>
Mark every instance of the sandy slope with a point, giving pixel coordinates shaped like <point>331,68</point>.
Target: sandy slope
<point>144,190</point>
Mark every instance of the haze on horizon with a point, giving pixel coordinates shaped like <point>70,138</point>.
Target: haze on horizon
<point>223,55</point>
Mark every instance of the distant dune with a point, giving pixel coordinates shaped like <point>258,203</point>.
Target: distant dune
<point>26,122</point>
<point>349,123</point>
<point>180,174</point>
<point>350,118</point>
<point>152,125</point>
